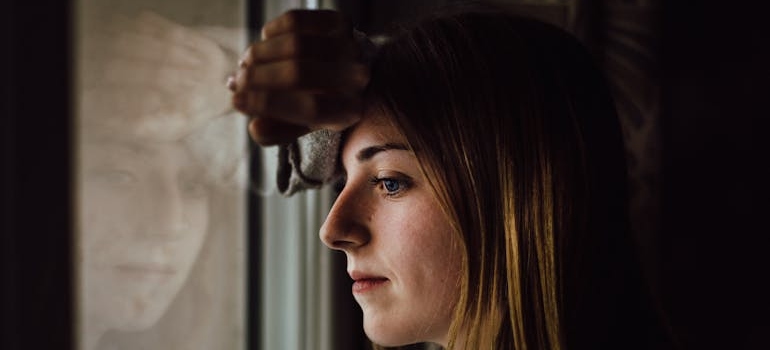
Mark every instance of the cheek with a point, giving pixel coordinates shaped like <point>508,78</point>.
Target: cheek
<point>103,203</point>
<point>439,257</point>
<point>106,218</point>
<point>424,243</point>
<point>197,216</point>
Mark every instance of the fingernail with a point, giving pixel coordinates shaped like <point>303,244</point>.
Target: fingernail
<point>231,83</point>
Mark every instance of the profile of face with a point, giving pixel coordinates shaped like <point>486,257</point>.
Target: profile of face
<point>401,251</point>
<point>150,138</point>
<point>144,216</point>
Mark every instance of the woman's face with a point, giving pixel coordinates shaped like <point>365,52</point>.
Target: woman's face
<point>144,217</point>
<point>401,252</point>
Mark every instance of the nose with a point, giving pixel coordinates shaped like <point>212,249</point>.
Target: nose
<point>167,217</point>
<point>345,227</point>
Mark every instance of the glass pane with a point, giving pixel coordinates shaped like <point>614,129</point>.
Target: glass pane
<point>160,176</point>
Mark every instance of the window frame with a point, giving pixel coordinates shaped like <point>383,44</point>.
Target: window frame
<point>37,246</point>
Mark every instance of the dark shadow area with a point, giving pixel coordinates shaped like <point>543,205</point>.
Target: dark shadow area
<point>713,247</point>
<point>36,163</point>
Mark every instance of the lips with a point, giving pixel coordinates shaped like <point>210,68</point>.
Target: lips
<point>363,282</point>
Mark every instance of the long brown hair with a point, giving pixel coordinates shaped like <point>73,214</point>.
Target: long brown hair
<point>517,132</point>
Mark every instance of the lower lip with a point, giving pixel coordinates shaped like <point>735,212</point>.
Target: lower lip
<point>367,285</point>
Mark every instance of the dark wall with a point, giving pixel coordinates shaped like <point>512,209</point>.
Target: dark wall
<point>35,178</point>
<point>713,251</point>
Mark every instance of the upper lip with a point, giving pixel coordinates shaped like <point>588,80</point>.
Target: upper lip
<point>360,275</point>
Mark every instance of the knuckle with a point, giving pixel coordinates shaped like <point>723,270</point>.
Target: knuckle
<point>251,53</point>
<point>294,45</point>
<point>292,73</point>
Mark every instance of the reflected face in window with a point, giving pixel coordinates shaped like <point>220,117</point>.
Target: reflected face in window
<point>145,213</point>
<point>401,251</point>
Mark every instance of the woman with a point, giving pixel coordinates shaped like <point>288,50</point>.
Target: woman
<point>147,207</point>
<point>157,190</point>
<point>484,197</point>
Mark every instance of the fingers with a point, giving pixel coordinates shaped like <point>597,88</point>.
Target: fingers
<point>308,21</point>
<point>293,45</point>
<point>317,111</point>
<point>303,75</point>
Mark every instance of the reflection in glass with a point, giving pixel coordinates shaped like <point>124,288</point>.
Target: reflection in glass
<point>160,160</point>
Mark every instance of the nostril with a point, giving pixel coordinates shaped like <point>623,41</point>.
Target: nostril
<point>343,235</point>
<point>344,244</point>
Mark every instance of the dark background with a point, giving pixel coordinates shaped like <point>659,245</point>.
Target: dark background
<point>708,251</point>
<point>36,222</point>
<point>713,246</point>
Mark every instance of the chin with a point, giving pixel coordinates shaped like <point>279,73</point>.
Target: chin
<point>139,324</point>
<point>141,316</point>
<point>385,336</point>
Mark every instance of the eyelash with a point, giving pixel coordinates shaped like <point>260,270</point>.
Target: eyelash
<point>403,185</point>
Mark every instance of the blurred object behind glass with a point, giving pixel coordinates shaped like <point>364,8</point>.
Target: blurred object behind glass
<point>160,175</point>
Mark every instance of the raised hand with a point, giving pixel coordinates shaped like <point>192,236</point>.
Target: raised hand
<point>305,74</point>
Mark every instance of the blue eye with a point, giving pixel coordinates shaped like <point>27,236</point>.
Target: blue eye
<point>391,185</point>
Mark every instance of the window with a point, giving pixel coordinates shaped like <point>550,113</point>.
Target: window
<point>159,178</point>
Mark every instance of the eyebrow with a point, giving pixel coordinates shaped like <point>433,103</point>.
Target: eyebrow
<point>137,148</point>
<point>134,147</point>
<point>369,152</point>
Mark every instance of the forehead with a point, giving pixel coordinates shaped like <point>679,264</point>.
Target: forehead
<point>375,128</point>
